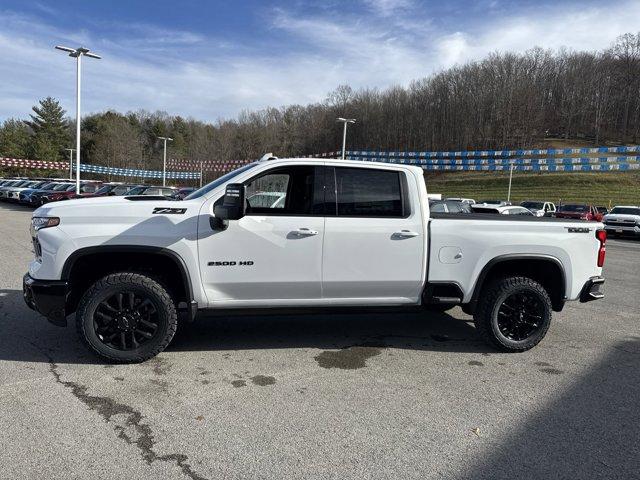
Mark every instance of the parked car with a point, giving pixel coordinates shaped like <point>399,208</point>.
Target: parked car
<point>112,189</point>
<point>87,188</point>
<point>602,209</point>
<point>539,209</point>
<point>152,190</point>
<point>12,184</point>
<point>36,198</point>
<point>25,193</point>
<point>501,209</point>
<point>266,200</point>
<point>13,193</point>
<point>493,202</point>
<point>470,201</point>
<point>449,206</point>
<point>623,220</point>
<point>579,212</point>
<point>349,234</point>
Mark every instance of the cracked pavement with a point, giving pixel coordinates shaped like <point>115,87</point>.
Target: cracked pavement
<point>324,396</point>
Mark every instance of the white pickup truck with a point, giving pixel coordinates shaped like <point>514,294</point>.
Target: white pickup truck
<point>338,234</point>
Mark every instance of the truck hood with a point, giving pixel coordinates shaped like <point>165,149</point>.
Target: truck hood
<point>105,209</point>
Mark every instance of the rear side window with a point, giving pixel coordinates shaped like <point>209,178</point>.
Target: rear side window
<point>364,192</point>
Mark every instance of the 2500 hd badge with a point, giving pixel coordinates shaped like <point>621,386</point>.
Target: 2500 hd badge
<point>231,263</point>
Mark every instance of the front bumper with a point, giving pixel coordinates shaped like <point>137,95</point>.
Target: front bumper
<point>592,290</point>
<point>622,230</point>
<point>48,297</point>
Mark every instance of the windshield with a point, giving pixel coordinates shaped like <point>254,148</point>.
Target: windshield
<point>574,208</point>
<point>105,189</point>
<point>218,181</point>
<point>625,211</point>
<point>61,186</point>
<point>533,205</point>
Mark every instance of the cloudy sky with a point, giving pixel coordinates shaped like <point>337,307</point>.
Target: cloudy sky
<point>213,59</point>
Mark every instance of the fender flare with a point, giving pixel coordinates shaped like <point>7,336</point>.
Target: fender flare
<point>177,259</point>
<point>477,288</point>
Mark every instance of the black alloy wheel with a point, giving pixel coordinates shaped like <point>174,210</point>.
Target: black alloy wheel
<point>126,320</point>
<point>520,315</point>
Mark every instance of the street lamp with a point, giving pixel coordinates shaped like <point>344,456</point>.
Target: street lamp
<point>510,177</point>
<point>78,53</point>
<point>70,150</point>
<point>344,133</point>
<point>164,162</point>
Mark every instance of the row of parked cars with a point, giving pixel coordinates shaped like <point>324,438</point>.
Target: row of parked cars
<point>621,220</point>
<point>35,192</point>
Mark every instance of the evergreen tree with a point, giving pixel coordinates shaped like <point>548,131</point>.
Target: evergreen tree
<point>15,139</point>
<point>50,131</point>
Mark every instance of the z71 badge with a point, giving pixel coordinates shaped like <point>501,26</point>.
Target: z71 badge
<point>169,210</point>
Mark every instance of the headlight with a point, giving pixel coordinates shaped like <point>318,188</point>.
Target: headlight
<point>38,223</point>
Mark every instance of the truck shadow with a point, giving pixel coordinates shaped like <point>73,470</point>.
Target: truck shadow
<point>588,430</point>
<point>28,337</point>
<point>335,330</point>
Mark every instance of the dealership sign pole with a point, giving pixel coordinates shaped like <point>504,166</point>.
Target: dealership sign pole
<point>78,53</point>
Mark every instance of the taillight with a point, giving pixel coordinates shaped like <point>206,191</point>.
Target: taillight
<point>601,235</point>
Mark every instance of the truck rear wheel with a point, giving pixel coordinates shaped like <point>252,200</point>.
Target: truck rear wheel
<point>513,314</point>
<point>126,318</point>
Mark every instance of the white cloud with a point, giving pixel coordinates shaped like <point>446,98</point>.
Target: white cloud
<point>187,74</point>
<point>386,8</point>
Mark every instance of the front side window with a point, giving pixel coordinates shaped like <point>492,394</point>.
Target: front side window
<point>364,192</point>
<point>284,191</point>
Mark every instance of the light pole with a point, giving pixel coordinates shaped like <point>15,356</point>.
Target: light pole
<point>344,132</point>
<point>70,150</point>
<point>164,161</point>
<point>78,53</point>
<point>510,177</point>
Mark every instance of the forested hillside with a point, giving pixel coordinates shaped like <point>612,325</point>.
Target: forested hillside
<point>506,100</point>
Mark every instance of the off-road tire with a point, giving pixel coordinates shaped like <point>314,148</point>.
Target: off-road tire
<point>492,298</point>
<point>114,283</point>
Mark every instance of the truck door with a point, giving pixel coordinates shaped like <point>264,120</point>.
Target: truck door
<point>273,255</point>
<point>374,244</point>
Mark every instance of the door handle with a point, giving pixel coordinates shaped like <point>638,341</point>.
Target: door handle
<point>305,232</point>
<point>405,234</point>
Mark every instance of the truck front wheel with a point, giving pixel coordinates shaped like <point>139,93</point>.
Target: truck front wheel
<point>513,314</point>
<point>126,318</point>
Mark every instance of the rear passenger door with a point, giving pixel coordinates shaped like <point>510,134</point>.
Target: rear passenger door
<point>374,242</point>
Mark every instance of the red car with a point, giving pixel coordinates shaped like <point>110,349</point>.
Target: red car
<point>86,189</point>
<point>579,212</point>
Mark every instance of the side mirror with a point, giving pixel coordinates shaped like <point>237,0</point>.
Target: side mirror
<point>232,207</point>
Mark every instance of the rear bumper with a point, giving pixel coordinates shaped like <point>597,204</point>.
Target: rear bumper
<point>592,290</point>
<point>47,297</point>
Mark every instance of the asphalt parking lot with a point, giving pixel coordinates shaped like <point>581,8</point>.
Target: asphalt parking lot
<point>324,396</point>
